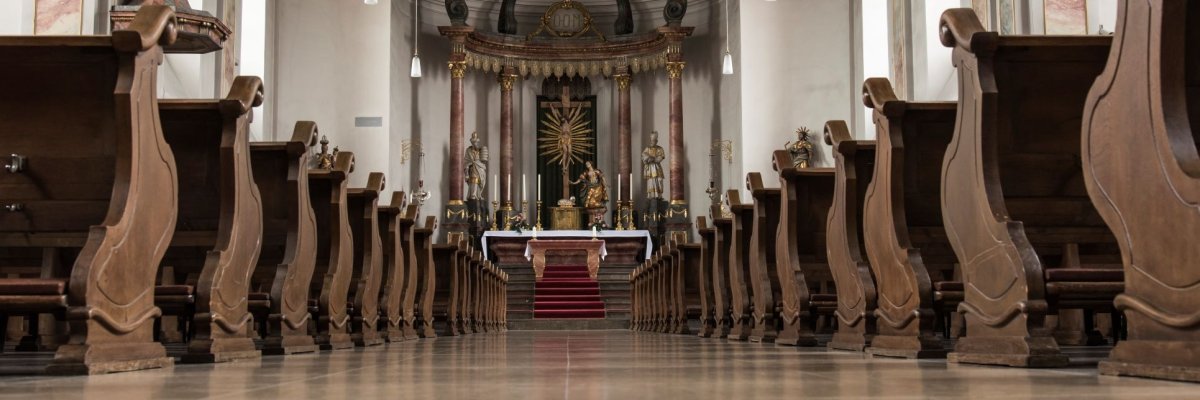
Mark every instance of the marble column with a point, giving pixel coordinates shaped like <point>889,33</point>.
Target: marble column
<point>624,131</point>
<point>507,79</point>
<point>458,69</point>
<point>675,73</point>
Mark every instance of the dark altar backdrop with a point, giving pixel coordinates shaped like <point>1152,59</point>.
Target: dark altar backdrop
<point>552,173</point>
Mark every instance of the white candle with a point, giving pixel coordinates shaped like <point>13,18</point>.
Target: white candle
<point>509,180</point>
<point>496,187</point>
<point>618,191</point>
<point>539,191</point>
<point>524,189</point>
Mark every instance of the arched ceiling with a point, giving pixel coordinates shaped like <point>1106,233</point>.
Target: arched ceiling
<point>647,14</point>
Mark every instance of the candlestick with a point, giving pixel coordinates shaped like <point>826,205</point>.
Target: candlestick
<point>595,232</point>
<point>539,214</point>
<point>495,205</point>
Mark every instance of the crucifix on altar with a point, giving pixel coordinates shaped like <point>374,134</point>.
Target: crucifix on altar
<point>566,139</point>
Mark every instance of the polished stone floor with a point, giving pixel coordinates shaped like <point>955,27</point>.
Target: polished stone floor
<point>590,365</point>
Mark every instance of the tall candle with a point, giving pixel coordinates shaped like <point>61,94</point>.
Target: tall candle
<point>618,191</point>
<point>508,179</point>
<point>496,187</point>
<point>539,191</point>
<point>524,190</point>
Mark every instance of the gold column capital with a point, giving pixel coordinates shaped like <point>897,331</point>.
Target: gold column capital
<point>675,69</point>
<point>507,81</point>
<point>623,81</point>
<point>458,69</point>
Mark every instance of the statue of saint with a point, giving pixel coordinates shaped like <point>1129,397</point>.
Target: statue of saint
<point>802,149</point>
<point>652,170</point>
<point>476,165</point>
<point>595,193</point>
<point>325,158</point>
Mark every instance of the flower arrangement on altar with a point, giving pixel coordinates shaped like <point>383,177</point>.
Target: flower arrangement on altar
<point>598,223</point>
<point>518,223</point>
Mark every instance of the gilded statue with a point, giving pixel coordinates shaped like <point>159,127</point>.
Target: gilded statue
<point>652,170</point>
<point>325,158</point>
<point>476,161</point>
<point>595,192</point>
<point>801,149</point>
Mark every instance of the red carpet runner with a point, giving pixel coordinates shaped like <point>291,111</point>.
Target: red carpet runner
<point>566,292</point>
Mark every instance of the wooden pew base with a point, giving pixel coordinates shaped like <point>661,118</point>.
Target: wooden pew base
<point>284,345</point>
<point>220,350</point>
<point>1011,351</point>
<point>906,347</point>
<point>1154,359</point>
<point>94,359</point>
<point>795,332</point>
<point>337,341</point>
<point>849,341</point>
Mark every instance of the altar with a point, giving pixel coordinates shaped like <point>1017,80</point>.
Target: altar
<point>621,247</point>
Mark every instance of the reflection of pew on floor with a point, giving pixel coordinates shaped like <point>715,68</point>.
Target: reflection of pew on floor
<point>94,199</point>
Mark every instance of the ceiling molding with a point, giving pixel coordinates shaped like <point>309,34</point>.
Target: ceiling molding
<point>533,9</point>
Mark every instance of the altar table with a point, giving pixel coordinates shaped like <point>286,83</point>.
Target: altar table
<point>535,250</point>
<point>580,234</point>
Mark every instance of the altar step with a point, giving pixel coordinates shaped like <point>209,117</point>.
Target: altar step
<point>566,292</point>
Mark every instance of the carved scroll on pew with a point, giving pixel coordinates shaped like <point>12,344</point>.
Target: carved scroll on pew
<point>740,289</point>
<point>335,252</point>
<point>363,212</point>
<point>289,241</point>
<point>220,224</point>
<point>1143,175</point>
<point>98,182</point>
<point>856,296</point>
<point>704,278</point>
<point>391,232</point>
<point>906,244</point>
<point>427,277</point>
<point>1013,197</point>
<point>801,256</point>
<point>762,277</point>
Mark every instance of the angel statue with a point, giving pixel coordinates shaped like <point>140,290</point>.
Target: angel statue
<point>324,158</point>
<point>476,161</point>
<point>652,170</point>
<point>801,149</point>
<point>595,193</point>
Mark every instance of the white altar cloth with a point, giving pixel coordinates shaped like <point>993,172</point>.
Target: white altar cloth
<point>580,234</point>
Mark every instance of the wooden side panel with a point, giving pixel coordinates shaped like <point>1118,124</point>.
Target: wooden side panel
<point>335,253</point>
<point>363,212</point>
<point>762,258</point>
<point>739,268</point>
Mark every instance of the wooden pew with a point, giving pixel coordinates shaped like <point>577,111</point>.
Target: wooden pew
<point>856,294</point>
<point>691,262</point>
<point>391,233</point>
<point>1140,167</point>
<point>219,225</point>
<point>289,242</point>
<point>96,185</point>
<point>408,230</point>
<point>662,308</point>
<point>762,274</point>
<point>722,297</point>
<point>502,298</point>
<point>906,243</point>
<point>335,253</point>
<point>471,271</point>
<point>363,211</point>
<point>422,245</point>
<point>801,252</point>
<point>451,291</point>
<point>704,278</point>
<point>1013,193</point>
<point>740,289</point>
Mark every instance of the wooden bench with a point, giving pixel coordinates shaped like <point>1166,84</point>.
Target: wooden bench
<point>408,229</point>
<point>722,297</point>
<point>741,291</point>
<point>363,212</point>
<point>422,245</point>
<point>906,243</point>
<point>335,253</point>
<point>1014,199</point>
<point>1141,171</point>
<point>289,242</point>
<point>391,233</point>
<point>451,280</point>
<point>762,275</point>
<point>704,278</point>
<point>691,264</point>
<point>219,225</point>
<point>856,294</point>
<point>96,186</point>
<point>802,264</point>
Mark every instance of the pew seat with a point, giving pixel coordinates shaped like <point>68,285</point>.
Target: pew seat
<point>32,295</point>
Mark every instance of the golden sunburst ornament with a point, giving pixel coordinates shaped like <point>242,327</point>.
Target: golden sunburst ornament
<point>565,138</point>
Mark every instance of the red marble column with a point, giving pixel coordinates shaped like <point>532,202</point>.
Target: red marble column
<point>675,73</point>
<point>624,130</point>
<point>457,70</point>
<point>507,80</point>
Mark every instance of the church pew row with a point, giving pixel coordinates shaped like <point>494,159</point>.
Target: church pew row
<point>130,187</point>
<point>1015,208</point>
<point>92,197</point>
<point>1140,165</point>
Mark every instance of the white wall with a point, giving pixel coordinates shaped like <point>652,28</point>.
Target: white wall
<point>252,60</point>
<point>799,55</point>
<point>332,64</point>
<point>874,55</point>
<point>16,17</point>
